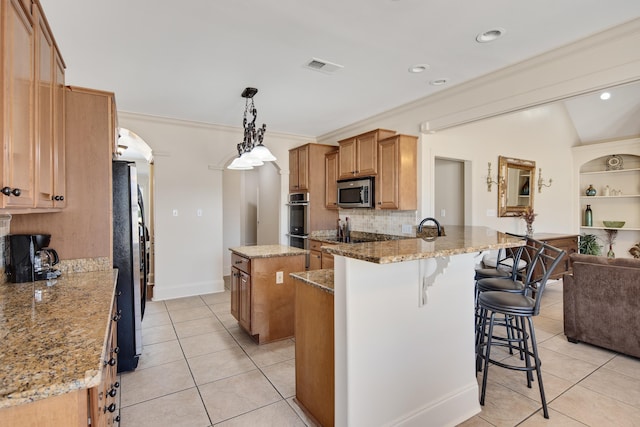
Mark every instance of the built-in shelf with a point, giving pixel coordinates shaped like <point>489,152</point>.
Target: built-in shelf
<point>611,197</point>
<point>610,171</point>
<point>609,228</point>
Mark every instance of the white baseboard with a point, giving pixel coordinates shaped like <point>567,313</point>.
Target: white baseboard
<point>182,290</point>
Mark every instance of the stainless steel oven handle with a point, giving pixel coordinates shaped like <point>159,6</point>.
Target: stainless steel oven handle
<point>296,236</point>
<point>298,204</point>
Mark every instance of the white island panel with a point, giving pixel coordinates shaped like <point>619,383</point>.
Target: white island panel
<point>398,362</point>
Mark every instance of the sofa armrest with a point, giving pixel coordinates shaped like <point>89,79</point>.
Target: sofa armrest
<point>569,306</point>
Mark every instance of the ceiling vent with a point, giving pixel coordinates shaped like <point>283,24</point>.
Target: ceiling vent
<point>322,66</point>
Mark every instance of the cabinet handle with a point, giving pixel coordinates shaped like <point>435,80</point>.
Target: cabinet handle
<point>110,408</point>
<point>112,392</point>
<point>57,198</point>
<point>111,362</point>
<point>16,192</point>
<point>8,191</point>
<point>117,419</point>
<point>116,384</point>
<point>238,262</point>
<point>116,350</point>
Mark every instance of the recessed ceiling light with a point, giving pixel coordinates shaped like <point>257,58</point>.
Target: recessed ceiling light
<point>418,68</point>
<point>490,35</point>
<point>605,95</point>
<point>438,82</point>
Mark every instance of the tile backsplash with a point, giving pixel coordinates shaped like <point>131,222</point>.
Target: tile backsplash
<point>380,221</point>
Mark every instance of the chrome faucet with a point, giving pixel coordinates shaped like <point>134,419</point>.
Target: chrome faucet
<point>435,221</point>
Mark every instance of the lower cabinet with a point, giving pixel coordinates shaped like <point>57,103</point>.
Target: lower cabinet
<point>319,259</point>
<point>315,366</point>
<point>262,295</point>
<point>95,407</point>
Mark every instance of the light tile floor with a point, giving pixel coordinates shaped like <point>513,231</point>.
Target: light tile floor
<point>199,369</point>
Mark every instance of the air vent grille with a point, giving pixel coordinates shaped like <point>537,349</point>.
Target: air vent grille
<point>322,66</point>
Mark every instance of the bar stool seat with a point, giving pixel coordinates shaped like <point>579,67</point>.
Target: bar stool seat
<point>517,302</point>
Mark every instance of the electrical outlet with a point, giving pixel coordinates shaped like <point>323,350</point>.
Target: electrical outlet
<point>175,212</point>
<point>279,277</point>
<point>406,228</point>
<point>199,212</point>
<point>443,213</point>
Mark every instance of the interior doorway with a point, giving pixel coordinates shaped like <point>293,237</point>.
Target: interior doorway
<point>449,195</point>
<point>133,148</point>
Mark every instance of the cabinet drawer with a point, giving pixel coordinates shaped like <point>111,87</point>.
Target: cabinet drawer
<point>241,263</point>
<point>315,245</point>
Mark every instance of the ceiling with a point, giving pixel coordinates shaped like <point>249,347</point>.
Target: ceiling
<point>192,59</point>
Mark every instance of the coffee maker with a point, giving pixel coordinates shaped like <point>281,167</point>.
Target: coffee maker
<point>30,258</point>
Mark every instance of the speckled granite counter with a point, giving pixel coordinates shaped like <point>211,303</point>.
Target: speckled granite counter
<point>53,337</point>
<point>322,279</point>
<point>267,251</point>
<point>458,240</point>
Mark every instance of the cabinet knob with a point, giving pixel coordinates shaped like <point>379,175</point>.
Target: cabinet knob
<point>116,384</point>
<point>379,203</point>
<point>6,191</point>
<point>110,408</point>
<point>117,419</point>
<point>112,392</point>
<point>238,262</point>
<point>16,192</point>
<point>58,198</point>
<point>111,362</point>
<point>116,350</point>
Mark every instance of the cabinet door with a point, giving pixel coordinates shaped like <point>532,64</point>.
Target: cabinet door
<point>44,145</point>
<point>293,170</point>
<point>387,179</point>
<point>315,260</point>
<point>331,176</point>
<point>235,293</point>
<point>18,57</point>
<point>245,301</point>
<point>59,164</point>
<point>327,260</point>
<point>303,167</point>
<point>367,154</point>
<point>347,159</point>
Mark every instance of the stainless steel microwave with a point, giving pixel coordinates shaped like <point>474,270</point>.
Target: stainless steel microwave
<point>355,193</point>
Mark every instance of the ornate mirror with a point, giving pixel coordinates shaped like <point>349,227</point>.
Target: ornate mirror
<point>515,185</point>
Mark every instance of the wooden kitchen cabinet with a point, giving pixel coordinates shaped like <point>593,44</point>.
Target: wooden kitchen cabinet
<point>262,305</point>
<point>18,91</point>
<point>331,178</point>
<point>396,182</point>
<point>33,167</point>
<point>359,154</point>
<point>298,169</point>
<point>319,259</point>
<point>49,129</point>
<point>327,260</point>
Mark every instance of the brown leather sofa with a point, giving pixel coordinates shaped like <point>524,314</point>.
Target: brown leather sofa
<point>602,303</point>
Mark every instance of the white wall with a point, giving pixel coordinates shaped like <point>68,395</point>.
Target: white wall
<point>190,160</point>
<point>449,191</point>
<point>269,205</point>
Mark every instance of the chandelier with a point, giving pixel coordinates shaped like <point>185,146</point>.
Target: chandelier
<point>251,152</point>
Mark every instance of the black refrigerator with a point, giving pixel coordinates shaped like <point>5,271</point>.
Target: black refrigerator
<point>128,219</point>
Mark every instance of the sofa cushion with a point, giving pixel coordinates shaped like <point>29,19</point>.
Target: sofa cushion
<point>603,260</point>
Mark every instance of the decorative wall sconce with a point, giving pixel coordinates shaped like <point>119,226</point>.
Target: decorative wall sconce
<point>541,181</point>
<point>490,179</point>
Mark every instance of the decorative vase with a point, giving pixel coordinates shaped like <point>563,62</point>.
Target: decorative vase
<point>591,191</point>
<point>611,254</point>
<point>588,217</point>
<point>529,230</point>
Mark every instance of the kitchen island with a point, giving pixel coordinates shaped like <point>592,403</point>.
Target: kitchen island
<point>403,324</point>
<point>55,340</point>
<point>262,293</point>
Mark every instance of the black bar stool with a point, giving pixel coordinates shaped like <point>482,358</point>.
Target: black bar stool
<point>521,307</point>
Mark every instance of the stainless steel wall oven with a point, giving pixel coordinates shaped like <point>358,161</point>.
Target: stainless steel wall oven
<point>299,221</point>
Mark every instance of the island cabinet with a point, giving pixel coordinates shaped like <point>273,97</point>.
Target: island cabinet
<point>262,293</point>
<point>319,259</point>
<point>315,371</point>
<point>396,182</point>
<point>32,164</point>
<point>359,154</point>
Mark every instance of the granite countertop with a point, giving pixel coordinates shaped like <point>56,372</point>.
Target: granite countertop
<point>267,251</point>
<point>53,337</point>
<point>458,240</point>
<point>322,279</point>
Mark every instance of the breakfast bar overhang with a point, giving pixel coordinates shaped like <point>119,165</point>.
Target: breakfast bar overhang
<point>404,328</point>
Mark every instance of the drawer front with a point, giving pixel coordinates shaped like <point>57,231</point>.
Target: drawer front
<point>315,245</point>
<point>241,263</point>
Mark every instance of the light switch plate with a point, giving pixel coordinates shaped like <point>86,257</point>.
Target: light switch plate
<point>279,277</point>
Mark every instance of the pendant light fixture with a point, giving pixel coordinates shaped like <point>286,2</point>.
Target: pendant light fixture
<point>251,151</point>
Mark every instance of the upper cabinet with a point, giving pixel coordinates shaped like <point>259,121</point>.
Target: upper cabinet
<point>331,176</point>
<point>298,169</point>
<point>396,186</point>
<point>33,167</point>
<point>18,63</point>
<point>359,155</point>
